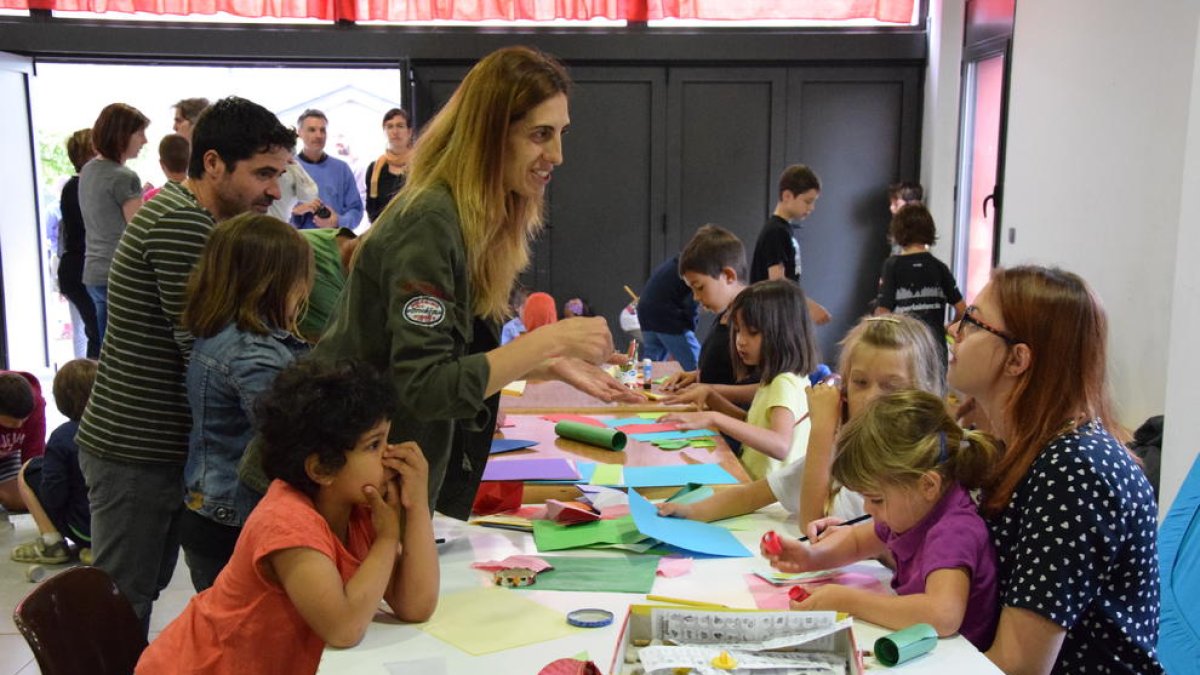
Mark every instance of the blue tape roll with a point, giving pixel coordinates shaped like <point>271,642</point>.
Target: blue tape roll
<point>590,618</point>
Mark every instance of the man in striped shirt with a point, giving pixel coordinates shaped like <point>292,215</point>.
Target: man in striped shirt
<point>134,432</point>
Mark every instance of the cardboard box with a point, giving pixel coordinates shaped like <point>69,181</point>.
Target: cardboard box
<point>638,628</point>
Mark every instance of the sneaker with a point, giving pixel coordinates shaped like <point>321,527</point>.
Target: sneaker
<point>37,551</point>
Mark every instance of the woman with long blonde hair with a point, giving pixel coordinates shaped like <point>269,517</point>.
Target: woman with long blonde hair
<point>430,281</point>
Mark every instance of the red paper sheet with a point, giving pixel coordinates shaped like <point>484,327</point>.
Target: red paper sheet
<point>582,419</point>
<point>646,428</point>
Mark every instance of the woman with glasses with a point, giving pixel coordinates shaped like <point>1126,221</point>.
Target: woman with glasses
<point>1072,516</point>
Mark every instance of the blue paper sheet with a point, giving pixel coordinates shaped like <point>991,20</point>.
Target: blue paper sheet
<point>685,534</point>
<point>676,474</point>
<point>500,445</point>
<point>673,435</point>
<point>614,423</point>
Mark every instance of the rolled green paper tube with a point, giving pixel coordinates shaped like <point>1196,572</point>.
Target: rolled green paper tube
<point>904,645</point>
<point>602,437</point>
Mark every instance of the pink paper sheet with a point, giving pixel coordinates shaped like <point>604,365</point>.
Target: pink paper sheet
<point>513,561</point>
<point>768,596</point>
<point>674,566</point>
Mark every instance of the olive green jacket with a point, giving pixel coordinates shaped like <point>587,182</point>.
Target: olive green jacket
<point>406,308</point>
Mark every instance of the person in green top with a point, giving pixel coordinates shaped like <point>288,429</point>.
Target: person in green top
<point>430,282</point>
<point>332,252</point>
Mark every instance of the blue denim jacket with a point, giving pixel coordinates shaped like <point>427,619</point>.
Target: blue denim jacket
<point>227,373</point>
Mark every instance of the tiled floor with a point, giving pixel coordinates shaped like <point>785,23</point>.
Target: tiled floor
<point>15,657</point>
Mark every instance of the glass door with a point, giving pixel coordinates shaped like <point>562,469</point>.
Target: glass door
<point>977,217</point>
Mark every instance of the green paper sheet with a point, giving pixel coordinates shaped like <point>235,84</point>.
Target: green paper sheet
<point>608,474</point>
<point>672,445</point>
<point>491,619</point>
<point>903,645</point>
<point>702,443</point>
<point>550,536</point>
<point>691,493</point>
<point>629,574</point>
<point>736,523</point>
<point>601,437</point>
<point>651,415</point>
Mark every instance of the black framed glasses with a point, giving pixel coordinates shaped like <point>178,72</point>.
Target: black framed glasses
<point>968,318</point>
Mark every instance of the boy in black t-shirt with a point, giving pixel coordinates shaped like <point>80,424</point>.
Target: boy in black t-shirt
<point>914,282</point>
<point>777,252</point>
<point>714,266</point>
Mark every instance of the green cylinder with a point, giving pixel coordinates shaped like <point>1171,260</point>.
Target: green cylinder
<point>904,645</point>
<point>603,437</point>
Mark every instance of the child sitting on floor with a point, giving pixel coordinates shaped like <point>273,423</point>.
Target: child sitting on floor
<point>325,544</point>
<point>913,465</point>
<point>52,485</point>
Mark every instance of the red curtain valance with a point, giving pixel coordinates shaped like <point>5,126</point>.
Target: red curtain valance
<point>892,11</point>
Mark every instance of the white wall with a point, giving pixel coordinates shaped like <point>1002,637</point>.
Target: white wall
<point>939,136</point>
<point>1183,357</point>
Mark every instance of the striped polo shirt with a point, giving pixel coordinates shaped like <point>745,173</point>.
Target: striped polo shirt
<point>138,410</point>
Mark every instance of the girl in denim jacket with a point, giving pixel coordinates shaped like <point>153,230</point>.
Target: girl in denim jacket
<point>244,299</point>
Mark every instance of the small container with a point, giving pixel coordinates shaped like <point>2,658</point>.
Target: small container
<point>629,375</point>
<point>647,368</point>
<point>35,573</point>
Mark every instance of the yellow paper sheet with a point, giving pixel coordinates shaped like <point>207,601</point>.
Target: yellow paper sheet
<point>491,619</point>
<point>608,474</point>
<point>514,388</point>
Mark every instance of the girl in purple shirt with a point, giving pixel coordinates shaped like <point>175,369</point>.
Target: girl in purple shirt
<point>913,465</point>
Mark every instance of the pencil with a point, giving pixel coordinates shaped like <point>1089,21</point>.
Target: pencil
<point>852,521</point>
<point>631,293</point>
<point>684,601</point>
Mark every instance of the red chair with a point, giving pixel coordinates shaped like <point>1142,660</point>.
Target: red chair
<point>78,622</point>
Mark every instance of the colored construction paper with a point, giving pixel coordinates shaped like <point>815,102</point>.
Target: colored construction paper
<point>678,444</point>
<point>585,474</point>
<point>690,494</point>
<point>601,437</point>
<point>679,474</point>
<point>548,468</point>
<point>514,388</point>
<point>610,574</point>
<point>550,536</point>
<point>582,419</point>
<point>651,415</point>
<point>569,513</point>
<point>601,497</point>
<point>530,562</point>
<point>684,534</point>
<point>608,474</point>
<point>903,645</point>
<point>497,496</point>
<point>500,445</point>
<point>703,443</point>
<point>627,421</point>
<point>490,619</point>
<point>736,523</point>
<point>673,435</point>
<point>674,566</point>
<point>646,427</point>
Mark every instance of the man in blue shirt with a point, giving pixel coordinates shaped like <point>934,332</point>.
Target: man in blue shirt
<point>338,203</point>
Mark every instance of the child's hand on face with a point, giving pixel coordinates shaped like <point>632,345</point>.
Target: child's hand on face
<point>829,597</point>
<point>412,473</point>
<point>686,421</point>
<point>385,509</point>
<point>793,558</point>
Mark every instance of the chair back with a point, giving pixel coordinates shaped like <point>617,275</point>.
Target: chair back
<point>1179,570</point>
<point>78,622</point>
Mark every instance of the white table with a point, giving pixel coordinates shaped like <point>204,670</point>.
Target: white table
<point>712,580</point>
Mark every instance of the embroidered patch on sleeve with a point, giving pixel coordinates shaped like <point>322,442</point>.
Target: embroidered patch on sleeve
<point>424,310</point>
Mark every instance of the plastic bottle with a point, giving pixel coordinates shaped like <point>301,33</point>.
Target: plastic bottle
<point>647,368</point>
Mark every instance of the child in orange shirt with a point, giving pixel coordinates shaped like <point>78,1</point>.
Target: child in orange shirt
<point>325,544</point>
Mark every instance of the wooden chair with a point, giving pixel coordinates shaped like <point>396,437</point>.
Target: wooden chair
<point>78,622</point>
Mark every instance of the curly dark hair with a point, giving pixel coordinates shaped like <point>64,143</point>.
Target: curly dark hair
<point>322,408</point>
